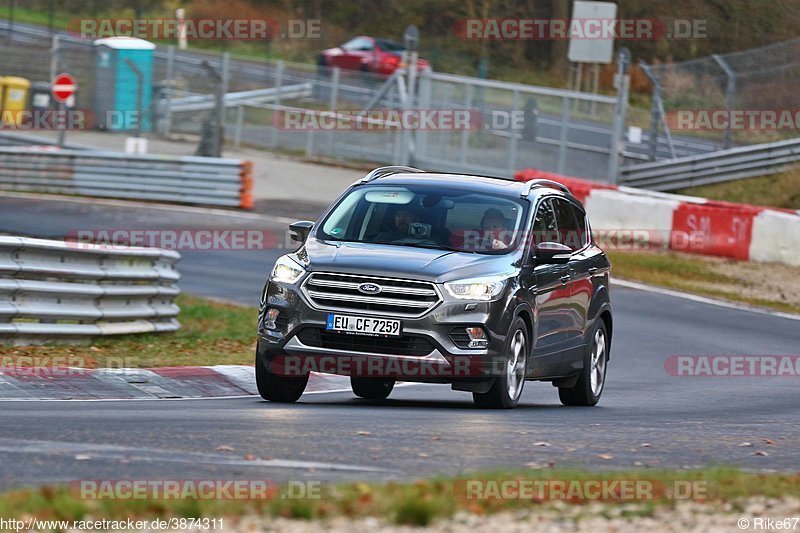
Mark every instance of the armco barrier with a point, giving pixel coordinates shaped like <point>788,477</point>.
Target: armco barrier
<point>713,167</point>
<point>722,229</point>
<point>191,180</point>
<point>55,290</point>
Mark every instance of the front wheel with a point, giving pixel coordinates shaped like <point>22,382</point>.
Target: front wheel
<point>507,387</point>
<point>372,388</point>
<point>589,387</point>
<point>275,388</point>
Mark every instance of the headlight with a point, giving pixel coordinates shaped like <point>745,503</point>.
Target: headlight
<point>286,270</point>
<point>483,289</point>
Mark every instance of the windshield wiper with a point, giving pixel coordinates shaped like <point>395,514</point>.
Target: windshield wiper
<point>429,246</point>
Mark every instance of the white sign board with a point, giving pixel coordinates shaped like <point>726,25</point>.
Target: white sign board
<point>584,44</point>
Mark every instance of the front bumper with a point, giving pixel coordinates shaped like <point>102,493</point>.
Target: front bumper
<point>286,349</point>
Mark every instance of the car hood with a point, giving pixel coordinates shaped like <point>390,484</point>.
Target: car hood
<point>385,260</point>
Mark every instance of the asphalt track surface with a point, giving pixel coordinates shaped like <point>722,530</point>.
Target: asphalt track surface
<point>422,429</point>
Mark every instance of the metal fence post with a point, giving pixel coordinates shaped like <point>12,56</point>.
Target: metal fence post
<point>462,155</point>
<point>279,66</point>
<point>333,104</point>
<point>562,141</point>
<point>237,134</point>
<point>730,92</point>
<point>512,149</point>
<point>424,99</point>
<point>620,111</point>
<point>223,90</point>
<point>170,88</point>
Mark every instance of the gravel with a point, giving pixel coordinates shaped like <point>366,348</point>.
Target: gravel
<point>557,517</point>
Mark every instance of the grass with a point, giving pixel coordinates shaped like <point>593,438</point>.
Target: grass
<point>417,503</point>
<point>687,273</point>
<point>776,190</point>
<point>211,333</point>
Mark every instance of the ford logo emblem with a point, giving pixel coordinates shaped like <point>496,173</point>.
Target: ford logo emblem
<point>369,288</point>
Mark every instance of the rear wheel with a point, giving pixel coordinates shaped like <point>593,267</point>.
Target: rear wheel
<point>589,387</point>
<point>275,388</point>
<point>372,388</point>
<point>507,387</point>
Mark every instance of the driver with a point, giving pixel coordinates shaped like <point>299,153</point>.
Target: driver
<point>403,218</point>
<point>495,227</point>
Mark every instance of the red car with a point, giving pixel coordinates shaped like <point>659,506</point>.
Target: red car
<point>367,54</point>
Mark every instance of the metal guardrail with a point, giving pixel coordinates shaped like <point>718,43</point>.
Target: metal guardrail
<point>55,290</point>
<point>204,102</point>
<point>8,138</point>
<point>193,180</point>
<point>714,167</point>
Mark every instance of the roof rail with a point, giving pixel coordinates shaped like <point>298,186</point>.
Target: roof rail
<point>541,182</point>
<point>382,172</point>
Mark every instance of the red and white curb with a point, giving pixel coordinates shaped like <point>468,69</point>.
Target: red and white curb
<point>725,229</point>
<point>139,384</point>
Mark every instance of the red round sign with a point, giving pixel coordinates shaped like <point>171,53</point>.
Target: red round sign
<point>64,86</point>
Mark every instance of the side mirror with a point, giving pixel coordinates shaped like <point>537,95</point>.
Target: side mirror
<point>552,253</point>
<point>299,230</point>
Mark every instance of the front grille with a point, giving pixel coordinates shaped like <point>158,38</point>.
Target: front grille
<point>398,297</point>
<point>402,345</point>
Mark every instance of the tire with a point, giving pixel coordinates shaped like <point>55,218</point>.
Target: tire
<point>275,388</point>
<point>507,388</point>
<point>372,388</point>
<point>591,382</point>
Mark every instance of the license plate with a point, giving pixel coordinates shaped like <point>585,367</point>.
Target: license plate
<point>363,325</point>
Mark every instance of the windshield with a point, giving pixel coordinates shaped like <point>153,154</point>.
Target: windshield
<point>390,46</point>
<point>426,216</point>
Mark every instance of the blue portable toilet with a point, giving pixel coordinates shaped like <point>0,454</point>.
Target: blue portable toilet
<point>115,88</point>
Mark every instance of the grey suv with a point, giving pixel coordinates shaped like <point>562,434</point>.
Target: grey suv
<point>480,282</point>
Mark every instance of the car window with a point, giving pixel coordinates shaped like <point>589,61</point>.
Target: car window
<point>583,230</point>
<point>358,44</point>
<point>544,225</point>
<point>570,230</point>
<point>429,216</point>
<point>390,46</point>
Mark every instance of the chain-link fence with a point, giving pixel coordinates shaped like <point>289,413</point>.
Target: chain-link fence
<point>752,81</point>
<point>266,104</point>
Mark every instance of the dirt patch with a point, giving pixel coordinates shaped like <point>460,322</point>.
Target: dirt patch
<point>780,283</point>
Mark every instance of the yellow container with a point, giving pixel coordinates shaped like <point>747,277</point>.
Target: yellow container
<point>14,99</point>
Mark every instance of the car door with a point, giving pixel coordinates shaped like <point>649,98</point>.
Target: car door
<point>550,298</point>
<point>572,232</point>
<point>356,51</point>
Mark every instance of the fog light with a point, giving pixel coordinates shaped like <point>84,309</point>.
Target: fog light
<point>270,317</point>
<point>477,338</point>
